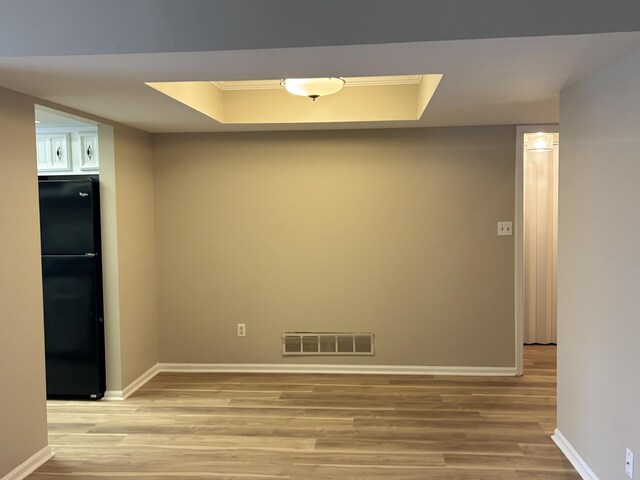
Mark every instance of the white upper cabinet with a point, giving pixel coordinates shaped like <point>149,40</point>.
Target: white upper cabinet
<point>54,153</point>
<point>67,151</point>
<point>89,151</point>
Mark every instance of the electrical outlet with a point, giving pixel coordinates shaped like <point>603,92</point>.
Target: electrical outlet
<point>628,463</point>
<point>505,228</point>
<point>242,330</point>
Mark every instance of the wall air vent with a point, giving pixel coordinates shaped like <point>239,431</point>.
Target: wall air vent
<point>327,343</point>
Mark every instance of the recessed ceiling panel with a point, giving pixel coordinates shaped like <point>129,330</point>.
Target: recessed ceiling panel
<point>363,99</point>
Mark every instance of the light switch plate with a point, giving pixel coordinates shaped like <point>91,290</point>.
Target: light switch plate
<point>628,463</point>
<point>505,228</point>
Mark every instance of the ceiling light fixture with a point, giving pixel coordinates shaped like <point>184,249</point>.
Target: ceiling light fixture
<point>541,142</point>
<point>313,87</point>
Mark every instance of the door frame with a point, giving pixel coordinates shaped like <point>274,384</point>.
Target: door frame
<point>519,239</point>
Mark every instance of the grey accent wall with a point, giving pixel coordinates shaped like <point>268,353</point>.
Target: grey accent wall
<point>23,420</point>
<point>599,267</point>
<point>390,231</point>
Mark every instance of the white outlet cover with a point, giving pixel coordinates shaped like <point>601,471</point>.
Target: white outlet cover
<point>505,228</point>
<point>628,463</point>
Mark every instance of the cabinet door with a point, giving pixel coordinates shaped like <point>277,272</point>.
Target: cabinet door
<point>88,151</point>
<point>43,151</point>
<point>53,153</point>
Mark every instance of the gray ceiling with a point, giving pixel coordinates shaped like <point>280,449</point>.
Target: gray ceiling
<point>504,61</point>
<point>76,27</point>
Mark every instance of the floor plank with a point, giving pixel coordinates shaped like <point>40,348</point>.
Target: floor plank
<point>306,426</point>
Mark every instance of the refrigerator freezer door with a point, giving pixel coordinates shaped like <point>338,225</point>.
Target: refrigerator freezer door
<point>73,325</point>
<point>69,217</point>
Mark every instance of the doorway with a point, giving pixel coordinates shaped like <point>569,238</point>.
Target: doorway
<point>540,237</point>
<point>68,187</point>
<point>536,236</point>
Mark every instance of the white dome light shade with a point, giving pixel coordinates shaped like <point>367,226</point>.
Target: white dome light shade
<point>541,142</point>
<point>313,87</point>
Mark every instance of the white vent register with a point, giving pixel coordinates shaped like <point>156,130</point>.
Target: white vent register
<point>327,343</point>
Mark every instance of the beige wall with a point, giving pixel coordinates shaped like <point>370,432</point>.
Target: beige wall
<point>126,188</point>
<point>136,252</point>
<point>23,429</point>
<point>110,275</point>
<point>389,231</point>
<point>598,267</point>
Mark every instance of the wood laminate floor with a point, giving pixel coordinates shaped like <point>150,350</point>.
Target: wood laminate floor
<point>301,426</point>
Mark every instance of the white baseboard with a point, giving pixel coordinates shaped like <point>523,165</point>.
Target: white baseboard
<point>357,369</point>
<point>572,455</point>
<point>113,395</point>
<point>118,395</point>
<point>140,381</point>
<point>30,465</point>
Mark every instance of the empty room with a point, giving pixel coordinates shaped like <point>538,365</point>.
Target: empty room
<point>361,239</point>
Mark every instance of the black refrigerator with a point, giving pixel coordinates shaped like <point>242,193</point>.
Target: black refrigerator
<point>72,288</point>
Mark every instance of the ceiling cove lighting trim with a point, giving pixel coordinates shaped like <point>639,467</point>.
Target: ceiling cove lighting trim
<point>234,85</point>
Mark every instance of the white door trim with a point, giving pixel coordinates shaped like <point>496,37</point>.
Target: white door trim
<point>518,232</point>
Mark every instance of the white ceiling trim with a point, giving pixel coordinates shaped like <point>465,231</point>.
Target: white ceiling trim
<point>240,85</point>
